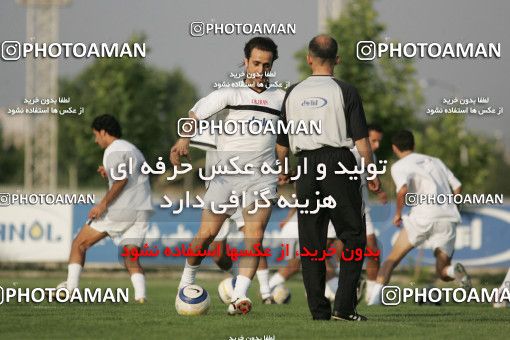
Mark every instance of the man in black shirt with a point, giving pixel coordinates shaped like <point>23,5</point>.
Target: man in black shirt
<point>338,106</point>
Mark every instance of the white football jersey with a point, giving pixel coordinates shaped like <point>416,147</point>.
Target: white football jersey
<point>244,104</point>
<point>136,194</point>
<point>429,176</point>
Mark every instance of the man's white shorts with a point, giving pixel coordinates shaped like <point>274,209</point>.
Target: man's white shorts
<point>440,234</point>
<point>230,226</point>
<point>370,228</point>
<point>125,227</point>
<point>369,224</point>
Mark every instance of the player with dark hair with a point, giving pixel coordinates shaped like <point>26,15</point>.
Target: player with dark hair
<point>255,100</point>
<point>423,175</point>
<point>107,123</point>
<point>262,44</point>
<point>124,211</point>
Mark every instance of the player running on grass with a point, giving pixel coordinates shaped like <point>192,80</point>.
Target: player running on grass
<point>256,101</point>
<point>124,211</point>
<point>421,174</point>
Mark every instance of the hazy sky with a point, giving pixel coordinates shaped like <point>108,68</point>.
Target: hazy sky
<point>207,59</point>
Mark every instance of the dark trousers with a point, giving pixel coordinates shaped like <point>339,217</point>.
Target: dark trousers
<point>349,222</point>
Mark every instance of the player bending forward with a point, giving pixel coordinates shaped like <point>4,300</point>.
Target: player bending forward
<point>419,174</point>
<point>256,101</point>
<point>207,142</point>
<point>124,211</point>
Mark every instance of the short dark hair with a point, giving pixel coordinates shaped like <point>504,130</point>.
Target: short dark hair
<point>375,127</point>
<point>262,43</point>
<point>324,47</point>
<point>403,140</point>
<point>109,124</point>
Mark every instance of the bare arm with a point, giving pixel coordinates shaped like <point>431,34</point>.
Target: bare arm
<point>365,152</point>
<point>397,219</point>
<point>181,147</point>
<point>110,196</point>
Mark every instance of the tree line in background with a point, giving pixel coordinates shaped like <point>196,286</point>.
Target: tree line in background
<point>148,102</point>
<point>393,99</point>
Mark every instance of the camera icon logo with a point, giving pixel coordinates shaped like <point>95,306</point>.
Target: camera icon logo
<point>197,29</point>
<point>11,50</point>
<point>187,127</point>
<point>5,199</point>
<point>365,50</point>
<point>391,295</point>
<point>411,199</point>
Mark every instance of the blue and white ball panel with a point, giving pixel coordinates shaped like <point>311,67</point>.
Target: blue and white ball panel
<point>193,294</point>
<point>192,300</point>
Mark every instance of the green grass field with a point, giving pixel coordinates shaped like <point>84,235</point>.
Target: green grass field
<point>158,319</point>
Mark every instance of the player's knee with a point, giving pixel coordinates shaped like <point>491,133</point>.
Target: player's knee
<point>80,245</point>
<point>131,261</point>
<point>206,237</point>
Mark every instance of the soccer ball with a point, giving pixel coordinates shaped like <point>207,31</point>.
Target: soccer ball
<point>281,294</point>
<point>226,289</point>
<point>61,294</point>
<point>192,300</point>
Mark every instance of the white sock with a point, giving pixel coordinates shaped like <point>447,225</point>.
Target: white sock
<point>331,288</point>
<point>138,280</point>
<point>333,284</point>
<point>368,292</point>
<point>188,275</point>
<point>375,297</point>
<point>73,276</point>
<point>450,271</point>
<point>276,279</point>
<point>506,282</point>
<point>263,277</point>
<point>241,288</point>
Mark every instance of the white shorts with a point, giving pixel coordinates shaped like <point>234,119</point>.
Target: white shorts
<point>230,226</point>
<point>370,226</point>
<point>124,227</point>
<point>220,189</point>
<point>290,235</point>
<point>439,234</point>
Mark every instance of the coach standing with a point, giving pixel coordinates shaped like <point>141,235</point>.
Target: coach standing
<point>337,105</point>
